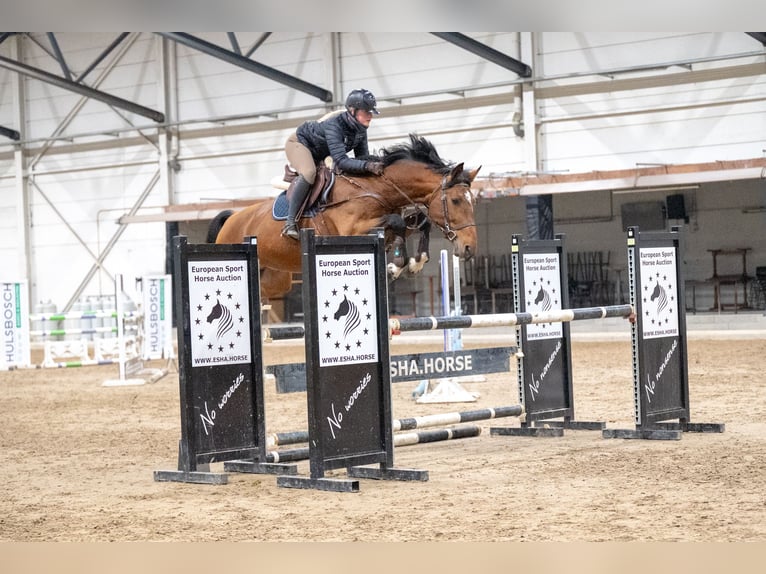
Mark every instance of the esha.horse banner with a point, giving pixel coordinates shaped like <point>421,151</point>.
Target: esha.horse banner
<point>220,314</point>
<point>347,319</point>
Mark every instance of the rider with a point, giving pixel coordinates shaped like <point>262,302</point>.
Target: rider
<point>333,135</point>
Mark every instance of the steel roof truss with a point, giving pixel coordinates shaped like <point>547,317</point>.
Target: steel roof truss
<point>246,63</point>
<point>9,133</point>
<point>486,52</point>
<point>103,55</point>
<point>59,56</point>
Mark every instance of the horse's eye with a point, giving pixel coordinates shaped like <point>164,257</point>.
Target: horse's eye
<point>456,201</point>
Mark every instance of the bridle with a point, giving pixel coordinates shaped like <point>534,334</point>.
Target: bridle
<point>450,231</point>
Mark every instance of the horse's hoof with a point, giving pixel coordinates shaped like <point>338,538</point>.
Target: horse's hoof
<point>394,271</point>
<point>416,266</point>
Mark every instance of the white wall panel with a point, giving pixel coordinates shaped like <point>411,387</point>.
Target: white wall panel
<point>584,52</point>
<point>398,64</point>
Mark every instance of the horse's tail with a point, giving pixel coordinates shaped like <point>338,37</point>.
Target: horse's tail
<point>216,224</point>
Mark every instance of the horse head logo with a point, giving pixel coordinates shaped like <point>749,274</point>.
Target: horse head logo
<point>661,296</point>
<point>348,310</point>
<point>544,299</point>
<point>223,315</point>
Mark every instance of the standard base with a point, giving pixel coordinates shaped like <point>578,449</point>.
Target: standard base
<point>694,427</point>
<point>195,477</point>
<point>645,434</point>
<point>664,431</point>
<point>572,425</point>
<point>326,484</point>
<point>526,431</point>
<point>378,473</point>
<point>253,467</point>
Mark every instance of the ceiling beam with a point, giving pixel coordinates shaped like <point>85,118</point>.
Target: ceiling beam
<point>59,56</point>
<point>9,133</point>
<point>100,58</point>
<point>250,65</point>
<point>760,36</point>
<point>4,35</point>
<point>81,89</point>
<point>486,52</point>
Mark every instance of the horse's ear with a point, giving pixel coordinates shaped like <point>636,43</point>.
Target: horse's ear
<point>473,173</point>
<point>455,172</point>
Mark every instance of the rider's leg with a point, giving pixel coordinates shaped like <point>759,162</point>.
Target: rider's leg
<point>300,191</point>
<point>302,161</point>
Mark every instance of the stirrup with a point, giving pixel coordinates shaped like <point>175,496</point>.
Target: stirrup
<point>291,230</point>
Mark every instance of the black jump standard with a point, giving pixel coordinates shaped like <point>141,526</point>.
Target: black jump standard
<point>660,366</point>
<point>347,363</point>
<point>220,368</point>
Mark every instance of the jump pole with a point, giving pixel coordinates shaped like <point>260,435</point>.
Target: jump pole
<point>412,423</point>
<point>400,325</point>
<point>401,439</point>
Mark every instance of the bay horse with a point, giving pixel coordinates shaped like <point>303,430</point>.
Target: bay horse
<point>414,178</point>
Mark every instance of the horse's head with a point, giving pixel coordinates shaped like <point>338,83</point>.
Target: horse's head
<point>451,208</point>
<point>216,312</point>
<point>343,309</point>
<point>540,295</point>
<point>656,292</point>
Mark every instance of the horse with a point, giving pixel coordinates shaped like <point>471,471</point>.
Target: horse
<point>415,180</point>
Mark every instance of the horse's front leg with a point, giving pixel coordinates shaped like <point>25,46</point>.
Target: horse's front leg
<point>417,263</point>
<point>396,228</point>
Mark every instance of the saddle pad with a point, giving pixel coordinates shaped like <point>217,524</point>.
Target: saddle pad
<point>281,205</point>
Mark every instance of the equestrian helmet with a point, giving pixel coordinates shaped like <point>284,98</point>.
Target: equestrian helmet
<point>362,100</point>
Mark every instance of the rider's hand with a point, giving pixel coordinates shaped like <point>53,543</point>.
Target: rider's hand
<point>374,167</point>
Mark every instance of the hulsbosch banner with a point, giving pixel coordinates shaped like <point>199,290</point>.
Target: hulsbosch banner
<point>14,335</point>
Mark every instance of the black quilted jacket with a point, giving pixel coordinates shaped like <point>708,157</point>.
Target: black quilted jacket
<point>335,136</point>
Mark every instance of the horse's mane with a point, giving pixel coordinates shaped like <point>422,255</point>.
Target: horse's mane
<point>418,149</point>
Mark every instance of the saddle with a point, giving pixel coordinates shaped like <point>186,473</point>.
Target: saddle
<point>320,190</point>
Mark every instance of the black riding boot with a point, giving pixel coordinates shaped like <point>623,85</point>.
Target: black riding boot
<point>300,191</point>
